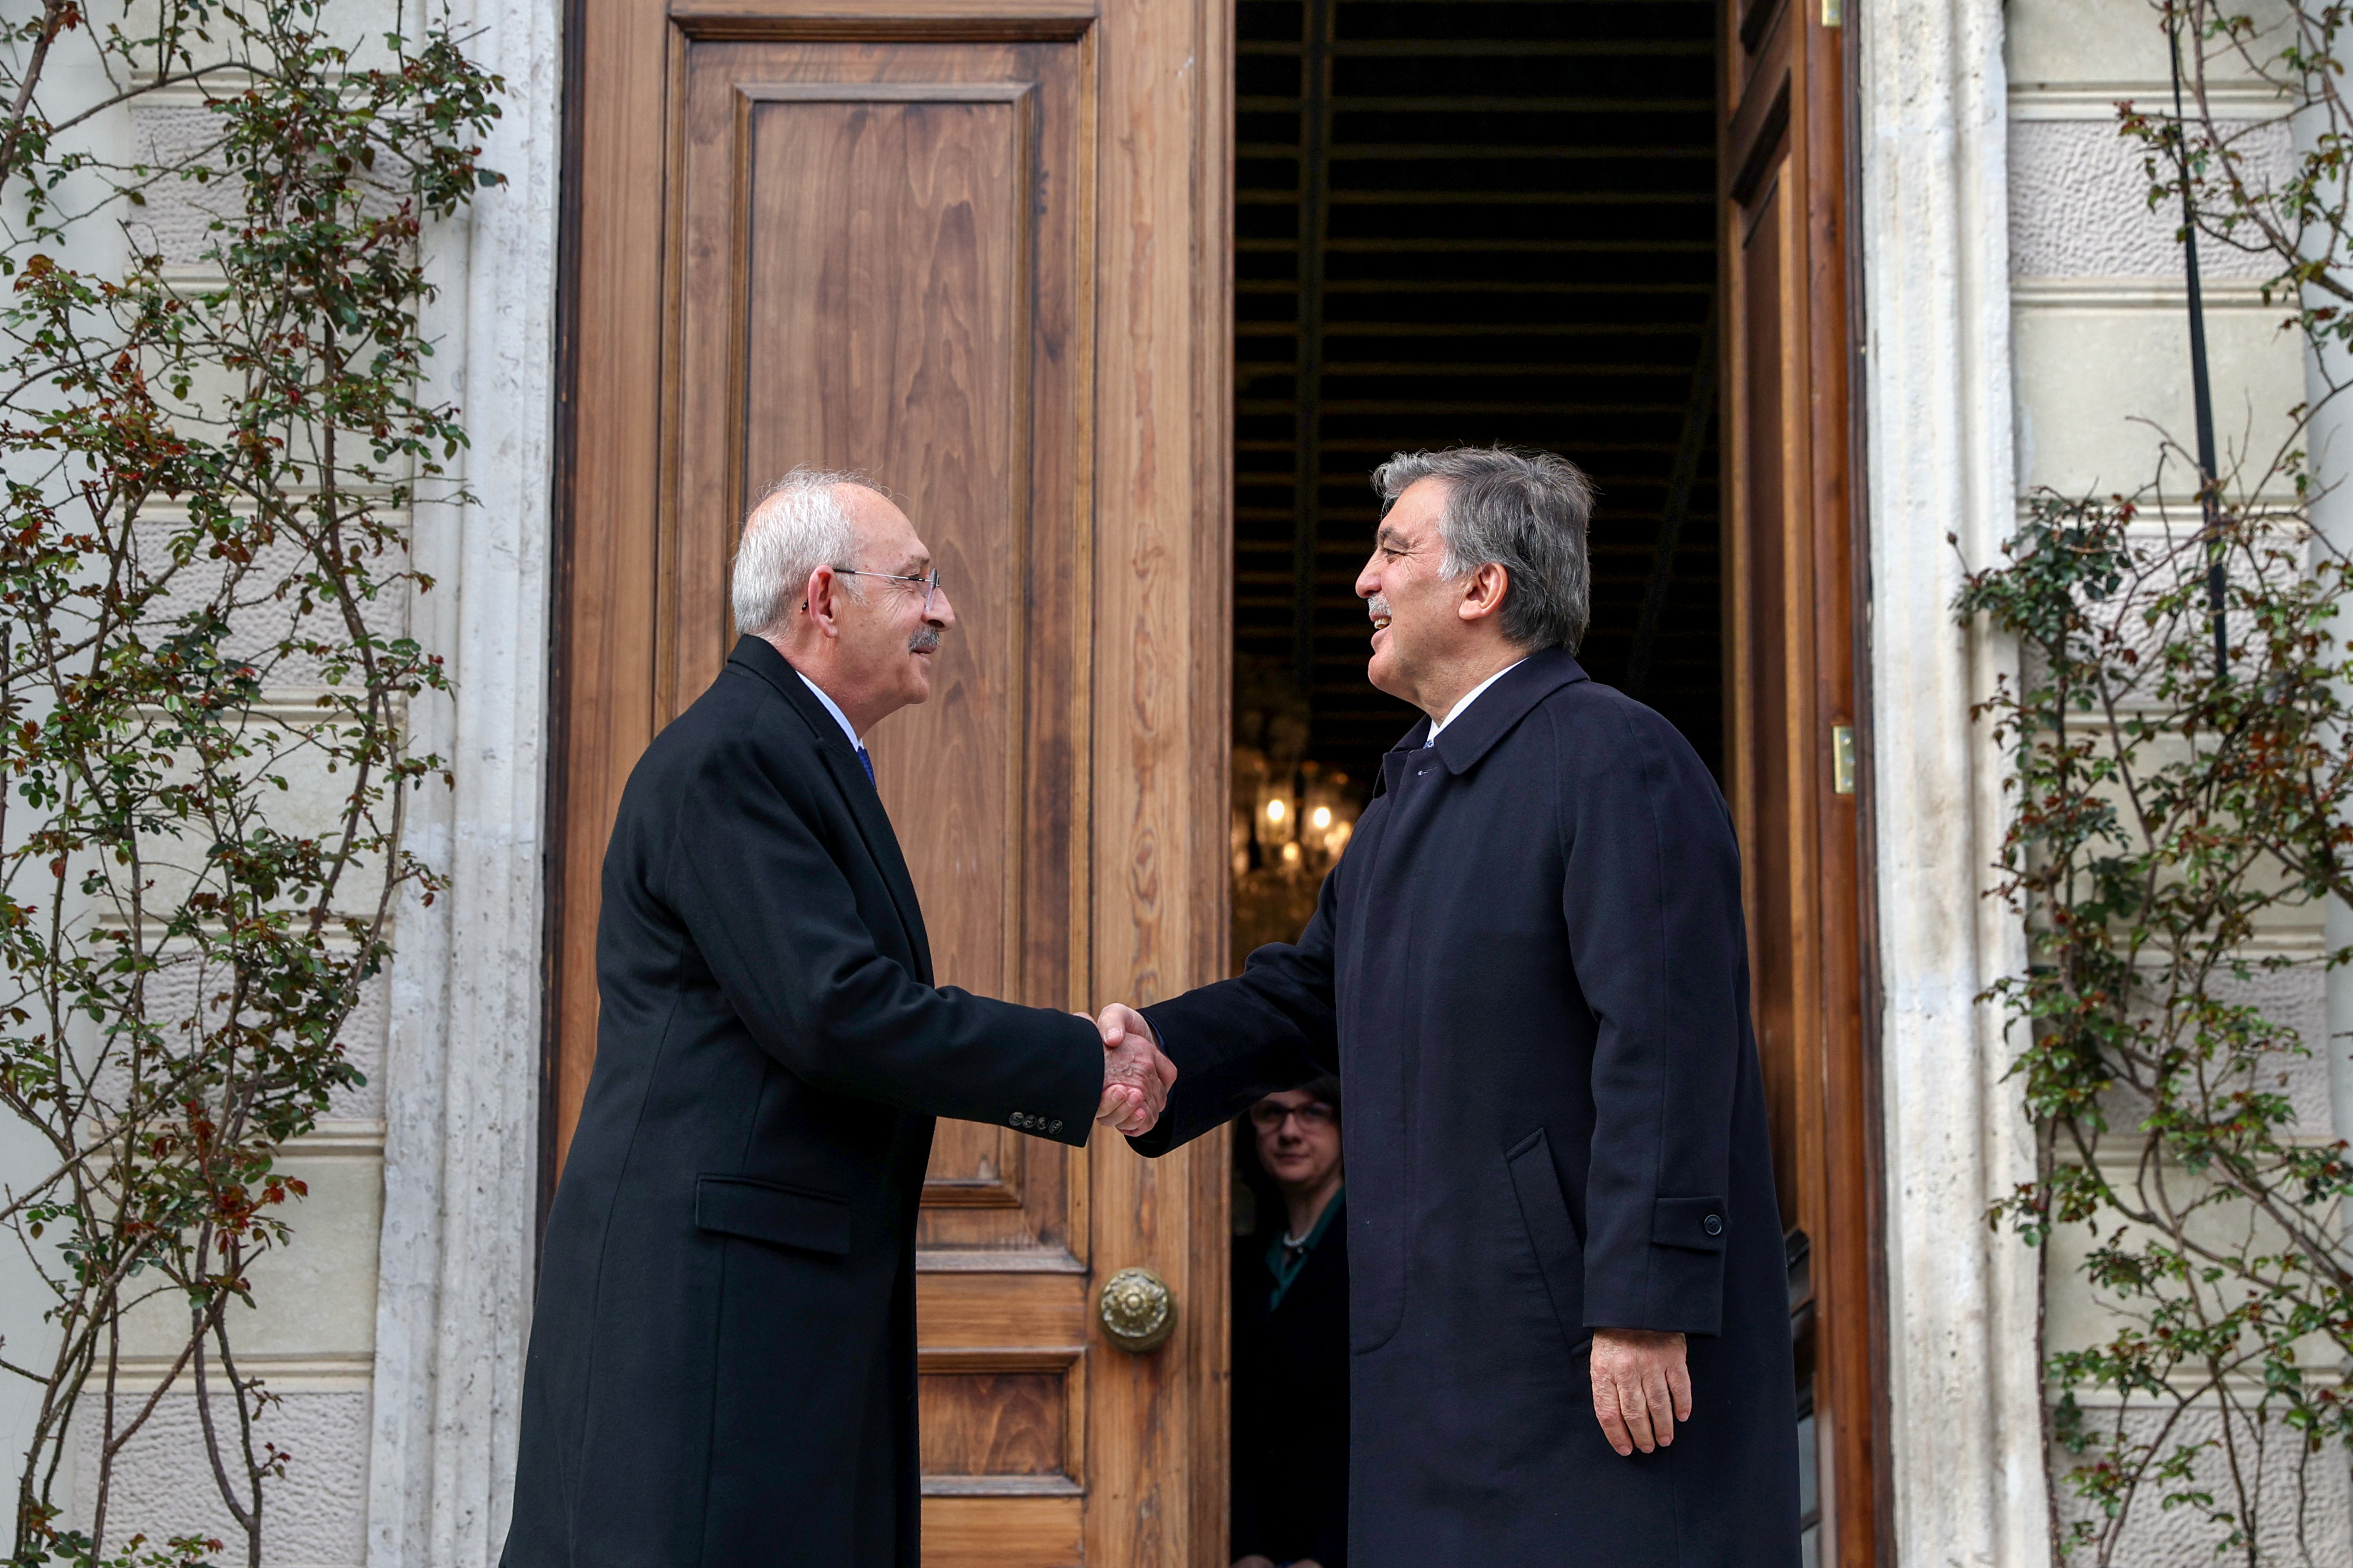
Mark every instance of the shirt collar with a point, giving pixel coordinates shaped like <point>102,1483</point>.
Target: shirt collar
<point>1532,679</point>
<point>838,716</point>
<point>1467,698</point>
<point>1286,1266</point>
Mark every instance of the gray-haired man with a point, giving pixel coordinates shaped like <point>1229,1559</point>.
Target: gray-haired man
<point>722,1363</point>
<point>1530,971</point>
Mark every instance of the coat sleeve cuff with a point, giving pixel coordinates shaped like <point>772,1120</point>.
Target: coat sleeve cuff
<point>1064,1110</point>
<point>1672,1285</point>
<point>1229,1047</point>
<point>1162,1136</point>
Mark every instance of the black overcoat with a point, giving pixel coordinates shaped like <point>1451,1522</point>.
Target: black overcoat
<point>721,1368</point>
<point>1530,971</point>
<point>1290,1401</point>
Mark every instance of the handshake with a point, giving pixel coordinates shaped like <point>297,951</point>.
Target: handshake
<point>1137,1077</point>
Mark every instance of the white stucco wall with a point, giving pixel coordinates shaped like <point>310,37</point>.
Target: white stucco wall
<point>392,1327</point>
<point>2099,335</point>
<point>312,1338</point>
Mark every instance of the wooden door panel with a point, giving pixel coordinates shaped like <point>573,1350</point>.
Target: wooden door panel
<point>1003,1421</point>
<point>1034,1204</point>
<point>976,248</point>
<point>876,256</point>
<point>862,285</point>
<point>1791,684</point>
<point>1003,1384</point>
<point>1003,1533</point>
<point>875,260</point>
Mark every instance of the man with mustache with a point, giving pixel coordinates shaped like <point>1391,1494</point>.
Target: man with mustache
<point>1530,971</point>
<point>723,1360</point>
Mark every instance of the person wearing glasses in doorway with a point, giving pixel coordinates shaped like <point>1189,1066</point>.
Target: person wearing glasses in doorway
<point>1290,1449</point>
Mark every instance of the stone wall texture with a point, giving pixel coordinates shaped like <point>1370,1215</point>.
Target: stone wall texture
<point>391,1328</point>
<point>2100,338</point>
<point>2300,1500</point>
<point>314,1518</point>
<point>2079,204</point>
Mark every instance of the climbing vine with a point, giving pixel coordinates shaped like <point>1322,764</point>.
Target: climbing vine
<point>212,431</point>
<point>2180,752</point>
<point>2170,821</point>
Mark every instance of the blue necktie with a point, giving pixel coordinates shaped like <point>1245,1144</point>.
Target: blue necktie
<point>868,763</point>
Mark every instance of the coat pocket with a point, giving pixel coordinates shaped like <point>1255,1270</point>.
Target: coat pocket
<point>788,1217</point>
<point>1551,1233</point>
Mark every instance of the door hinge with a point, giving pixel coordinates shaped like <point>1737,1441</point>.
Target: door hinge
<point>1842,758</point>
<point>1833,13</point>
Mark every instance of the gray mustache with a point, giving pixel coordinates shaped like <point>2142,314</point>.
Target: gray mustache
<point>924,641</point>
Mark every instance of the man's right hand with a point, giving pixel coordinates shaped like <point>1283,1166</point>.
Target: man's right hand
<point>1137,1077</point>
<point>1642,1387</point>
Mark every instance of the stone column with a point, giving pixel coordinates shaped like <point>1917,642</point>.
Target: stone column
<point>1969,1476</point>
<point>462,1114</point>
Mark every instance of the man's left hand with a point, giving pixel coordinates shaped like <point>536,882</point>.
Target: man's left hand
<point>1641,1387</point>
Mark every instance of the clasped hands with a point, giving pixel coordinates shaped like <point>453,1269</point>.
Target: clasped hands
<point>1641,1386</point>
<point>1137,1077</point>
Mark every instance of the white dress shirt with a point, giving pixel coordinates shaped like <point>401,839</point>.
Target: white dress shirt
<point>1467,698</point>
<point>835,709</point>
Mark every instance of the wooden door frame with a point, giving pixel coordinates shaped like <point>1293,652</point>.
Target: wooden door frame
<point>1815,108</point>
<point>1155,783</point>
<point>1867,1135</point>
<point>562,509</point>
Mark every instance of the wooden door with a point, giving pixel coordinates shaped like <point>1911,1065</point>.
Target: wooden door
<point>977,251</point>
<point>1793,571</point>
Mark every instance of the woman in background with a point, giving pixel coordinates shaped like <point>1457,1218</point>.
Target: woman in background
<point>1290,1342</point>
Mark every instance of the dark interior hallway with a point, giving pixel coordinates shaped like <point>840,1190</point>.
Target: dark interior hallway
<point>1471,221</point>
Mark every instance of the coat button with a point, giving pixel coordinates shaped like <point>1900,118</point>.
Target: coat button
<point>1713,1225</point>
<point>1055,1125</point>
<point>1019,1120</point>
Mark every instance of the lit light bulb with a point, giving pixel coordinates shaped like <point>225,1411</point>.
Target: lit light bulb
<point>1322,817</point>
<point>1275,811</point>
<point>1289,853</point>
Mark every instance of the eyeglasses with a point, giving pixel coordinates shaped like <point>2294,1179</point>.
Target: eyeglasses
<point>1314,1117</point>
<point>930,580</point>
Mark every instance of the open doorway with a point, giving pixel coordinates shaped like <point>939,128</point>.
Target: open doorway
<point>1471,221</point>
<point>1461,221</point>
<point>1456,221</point>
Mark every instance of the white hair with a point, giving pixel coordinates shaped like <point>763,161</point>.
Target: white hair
<point>797,525</point>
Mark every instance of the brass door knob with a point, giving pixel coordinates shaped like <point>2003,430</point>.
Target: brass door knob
<point>1138,1311</point>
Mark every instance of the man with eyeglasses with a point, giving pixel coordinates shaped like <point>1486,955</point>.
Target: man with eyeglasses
<point>723,1356</point>
<point>1290,1451</point>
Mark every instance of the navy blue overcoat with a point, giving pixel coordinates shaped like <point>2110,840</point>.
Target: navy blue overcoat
<point>1530,971</point>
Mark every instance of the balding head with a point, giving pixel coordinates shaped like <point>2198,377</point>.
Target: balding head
<point>832,574</point>
<point>803,521</point>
